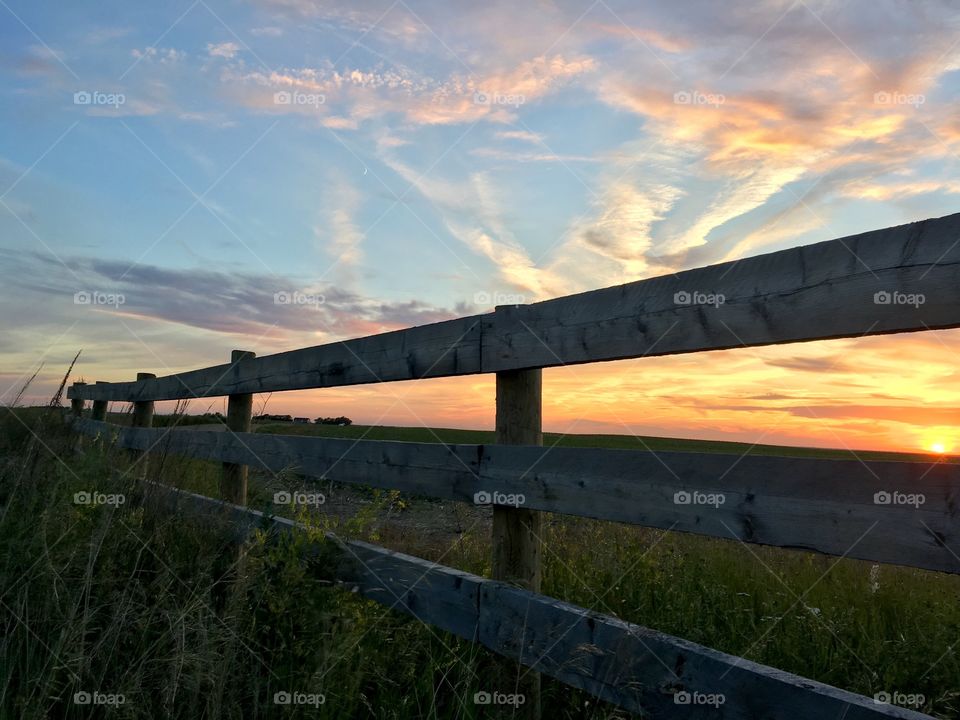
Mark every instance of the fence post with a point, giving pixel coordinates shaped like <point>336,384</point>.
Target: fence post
<point>142,417</point>
<point>99,411</point>
<point>233,487</point>
<point>143,409</point>
<point>517,531</point>
<point>76,404</point>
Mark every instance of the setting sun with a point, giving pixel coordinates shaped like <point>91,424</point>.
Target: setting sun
<point>938,447</point>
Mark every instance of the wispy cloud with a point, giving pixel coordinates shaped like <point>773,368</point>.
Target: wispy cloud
<point>227,50</point>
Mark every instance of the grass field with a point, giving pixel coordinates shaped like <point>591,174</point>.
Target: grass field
<point>624,442</point>
<point>120,600</point>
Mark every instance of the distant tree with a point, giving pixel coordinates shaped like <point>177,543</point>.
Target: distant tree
<point>342,420</point>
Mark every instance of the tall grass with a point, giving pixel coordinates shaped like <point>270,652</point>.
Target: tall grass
<point>129,600</point>
<point>123,601</point>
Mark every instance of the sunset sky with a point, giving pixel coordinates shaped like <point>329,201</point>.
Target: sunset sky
<point>409,162</point>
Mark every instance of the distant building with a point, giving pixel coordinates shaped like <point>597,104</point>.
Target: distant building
<point>301,421</point>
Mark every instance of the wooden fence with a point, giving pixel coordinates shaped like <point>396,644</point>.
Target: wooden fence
<point>900,279</point>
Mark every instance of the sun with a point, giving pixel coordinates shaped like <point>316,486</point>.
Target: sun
<point>938,447</point>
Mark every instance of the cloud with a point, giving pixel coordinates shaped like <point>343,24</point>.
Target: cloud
<point>528,157</point>
<point>367,94</point>
<point>869,189</point>
<point>386,142</point>
<point>522,135</point>
<point>234,303</point>
<point>166,56</point>
<point>225,50</point>
<point>833,364</point>
<point>267,31</point>
<point>617,238</point>
<point>39,61</point>
<point>99,35</point>
<point>796,105</point>
<point>470,211</point>
<point>622,228</point>
<point>338,122</point>
<point>337,232</point>
<point>647,36</point>
<point>907,414</point>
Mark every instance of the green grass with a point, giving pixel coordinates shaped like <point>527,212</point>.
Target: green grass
<point>141,602</point>
<point>622,442</point>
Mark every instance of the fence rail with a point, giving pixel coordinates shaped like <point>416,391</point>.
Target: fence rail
<point>901,279</point>
<point>813,292</point>
<point>824,505</point>
<point>629,665</point>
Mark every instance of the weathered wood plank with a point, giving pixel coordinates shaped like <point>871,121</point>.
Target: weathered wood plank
<point>438,350</point>
<point>76,404</point>
<point>233,482</point>
<point>142,417</point>
<point>634,667</point>
<point>814,292</point>
<point>516,531</point>
<point>815,504</point>
<point>643,670</point>
<point>446,472</point>
<point>434,594</point>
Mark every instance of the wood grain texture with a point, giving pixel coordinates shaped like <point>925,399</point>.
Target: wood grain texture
<point>643,670</point>
<point>432,593</point>
<point>814,504</point>
<point>820,291</point>
<point>233,481</point>
<point>99,411</point>
<point>438,350</point>
<point>813,292</point>
<point>516,532</point>
<point>76,404</point>
<point>143,409</point>
<point>636,668</point>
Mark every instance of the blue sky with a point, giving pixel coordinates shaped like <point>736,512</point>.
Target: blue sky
<point>411,161</point>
